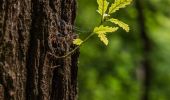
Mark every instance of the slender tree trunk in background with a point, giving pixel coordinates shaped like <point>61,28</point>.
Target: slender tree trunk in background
<point>29,31</point>
<point>145,63</point>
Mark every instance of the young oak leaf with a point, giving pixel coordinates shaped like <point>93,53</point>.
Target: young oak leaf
<point>102,30</point>
<point>120,23</point>
<point>103,38</point>
<point>118,4</point>
<point>77,41</point>
<point>102,7</point>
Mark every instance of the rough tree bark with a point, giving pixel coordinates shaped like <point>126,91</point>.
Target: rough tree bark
<point>145,63</point>
<point>29,31</point>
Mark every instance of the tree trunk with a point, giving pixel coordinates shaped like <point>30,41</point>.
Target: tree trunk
<point>30,31</point>
<point>145,63</point>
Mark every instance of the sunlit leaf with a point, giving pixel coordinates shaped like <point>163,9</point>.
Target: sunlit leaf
<point>120,23</point>
<point>102,7</point>
<point>103,38</point>
<point>118,4</point>
<point>102,30</point>
<point>77,41</point>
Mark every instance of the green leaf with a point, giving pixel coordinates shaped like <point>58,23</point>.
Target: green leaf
<point>120,23</point>
<point>102,7</point>
<point>118,4</point>
<point>102,30</point>
<point>77,41</point>
<point>103,38</point>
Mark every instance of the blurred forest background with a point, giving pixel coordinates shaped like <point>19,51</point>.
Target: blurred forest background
<point>135,65</point>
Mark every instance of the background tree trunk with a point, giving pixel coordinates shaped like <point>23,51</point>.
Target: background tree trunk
<point>29,31</point>
<point>146,67</point>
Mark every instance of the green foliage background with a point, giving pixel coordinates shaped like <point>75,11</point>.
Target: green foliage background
<point>113,72</point>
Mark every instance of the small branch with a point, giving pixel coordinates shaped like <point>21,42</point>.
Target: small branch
<point>72,51</point>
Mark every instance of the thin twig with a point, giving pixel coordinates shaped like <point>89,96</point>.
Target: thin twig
<point>72,51</point>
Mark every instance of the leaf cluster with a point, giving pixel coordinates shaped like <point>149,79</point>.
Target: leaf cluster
<point>105,11</point>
